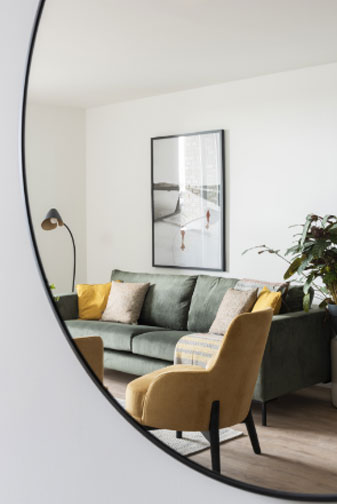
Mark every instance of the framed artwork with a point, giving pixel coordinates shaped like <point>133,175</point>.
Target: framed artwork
<point>188,221</point>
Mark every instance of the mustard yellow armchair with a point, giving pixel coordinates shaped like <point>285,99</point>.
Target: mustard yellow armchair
<point>191,398</point>
<point>91,348</point>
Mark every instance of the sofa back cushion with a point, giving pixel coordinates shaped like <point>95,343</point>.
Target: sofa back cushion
<point>168,299</point>
<point>207,296</point>
<point>292,300</point>
<point>292,295</point>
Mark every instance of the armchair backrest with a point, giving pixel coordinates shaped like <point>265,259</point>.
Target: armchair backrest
<point>234,369</point>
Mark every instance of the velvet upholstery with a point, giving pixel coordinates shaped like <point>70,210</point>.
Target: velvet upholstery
<point>293,300</point>
<point>297,354</point>
<point>92,300</point>
<point>268,299</point>
<point>167,301</point>
<point>207,296</point>
<point>115,336</point>
<point>67,306</point>
<point>157,344</point>
<point>180,397</point>
<point>91,348</point>
<point>131,363</point>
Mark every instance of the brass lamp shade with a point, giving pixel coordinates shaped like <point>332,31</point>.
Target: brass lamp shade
<point>47,224</point>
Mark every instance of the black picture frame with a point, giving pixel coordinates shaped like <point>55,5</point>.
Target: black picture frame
<point>222,194</point>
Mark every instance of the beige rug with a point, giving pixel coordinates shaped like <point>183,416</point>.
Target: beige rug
<point>191,442</point>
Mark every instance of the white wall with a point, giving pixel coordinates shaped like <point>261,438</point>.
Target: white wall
<point>281,163</point>
<point>55,162</point>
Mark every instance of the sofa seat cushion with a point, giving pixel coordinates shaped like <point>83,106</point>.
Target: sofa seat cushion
<point>157,344</point>
<point>167,301</point>
<point>207,296</point>
<point>115,336</point>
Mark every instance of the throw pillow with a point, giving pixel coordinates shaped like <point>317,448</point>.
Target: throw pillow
<point>249,284</point>
<point>234,303</point>
<point>125,302</point>
<point>268,299</point>
<point>92,300</point>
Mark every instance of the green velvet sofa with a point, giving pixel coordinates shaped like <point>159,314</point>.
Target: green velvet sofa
<point>297,354</point>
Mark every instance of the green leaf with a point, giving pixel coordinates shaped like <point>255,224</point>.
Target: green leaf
<point>307,285</point>
<point>52,286</point>
<point>293,267</point>
<point>306,228</point>
<point>323,303</point>
<point>319,248</point>
<point>332,227</point>
<point>305,265</point>
<point>329,278</point>
<point>326,218</point>
<point>293,250</point>
<point>253,248</point>
<point>306,302</point>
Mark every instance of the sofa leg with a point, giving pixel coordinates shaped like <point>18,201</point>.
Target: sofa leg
<point>249,421</point>
<point>264,413</point>
<point>179,434</point>
<point>214,436</point>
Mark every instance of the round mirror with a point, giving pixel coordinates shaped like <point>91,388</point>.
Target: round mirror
<point>163,140</point>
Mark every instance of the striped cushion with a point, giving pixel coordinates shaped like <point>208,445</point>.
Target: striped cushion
<point>247,284</point>
<point>197,348</point>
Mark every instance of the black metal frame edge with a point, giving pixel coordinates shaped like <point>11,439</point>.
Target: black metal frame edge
<point>193,465</point>
<point>223,209</point>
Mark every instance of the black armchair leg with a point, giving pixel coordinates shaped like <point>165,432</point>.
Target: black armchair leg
<point>249,421</point>
<point>264,413</point>
<point>179,434</point>
<point>214,436</point>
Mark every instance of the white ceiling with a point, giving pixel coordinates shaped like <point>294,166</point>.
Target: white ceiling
<point>94,52</point>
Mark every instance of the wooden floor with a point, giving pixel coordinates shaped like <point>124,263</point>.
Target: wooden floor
<point>299,446</point>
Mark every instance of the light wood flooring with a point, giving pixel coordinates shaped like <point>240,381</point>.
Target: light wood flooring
<point>299,445</point>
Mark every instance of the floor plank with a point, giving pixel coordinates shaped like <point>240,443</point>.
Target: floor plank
<point>299,446</point>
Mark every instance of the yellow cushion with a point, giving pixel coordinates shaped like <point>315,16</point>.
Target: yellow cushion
<point>92,300</point>
<point>268,299</point>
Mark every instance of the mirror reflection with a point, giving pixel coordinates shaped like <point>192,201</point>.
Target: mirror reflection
<point>161,142</point>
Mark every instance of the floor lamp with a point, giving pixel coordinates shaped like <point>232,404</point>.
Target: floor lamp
<point>50,222</point>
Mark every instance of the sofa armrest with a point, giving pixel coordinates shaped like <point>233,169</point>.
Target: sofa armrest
<point>297,354</point>
<point>67,306</point>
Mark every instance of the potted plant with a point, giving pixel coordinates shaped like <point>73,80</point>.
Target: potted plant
<point>52,287</point>
<point>313,261</point>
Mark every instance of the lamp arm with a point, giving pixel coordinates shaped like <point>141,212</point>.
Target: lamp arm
<point>74,248</point>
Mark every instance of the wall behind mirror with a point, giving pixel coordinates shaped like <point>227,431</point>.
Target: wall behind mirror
<point>99,95</point>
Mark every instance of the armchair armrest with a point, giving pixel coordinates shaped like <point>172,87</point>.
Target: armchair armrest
<point>67,306</point>
<point>297,354</point>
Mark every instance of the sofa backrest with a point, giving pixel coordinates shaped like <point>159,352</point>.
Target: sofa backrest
<point>206,299</point>
<point>168,299</point>
<point>292,295</point>
<point>210,290</point>
<point>292,301</point>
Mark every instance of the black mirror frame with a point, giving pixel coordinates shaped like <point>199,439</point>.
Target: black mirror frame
<point>193,465</point>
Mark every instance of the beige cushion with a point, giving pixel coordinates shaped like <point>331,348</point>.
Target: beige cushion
<point>125,302</point>
<point>234,303</point>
